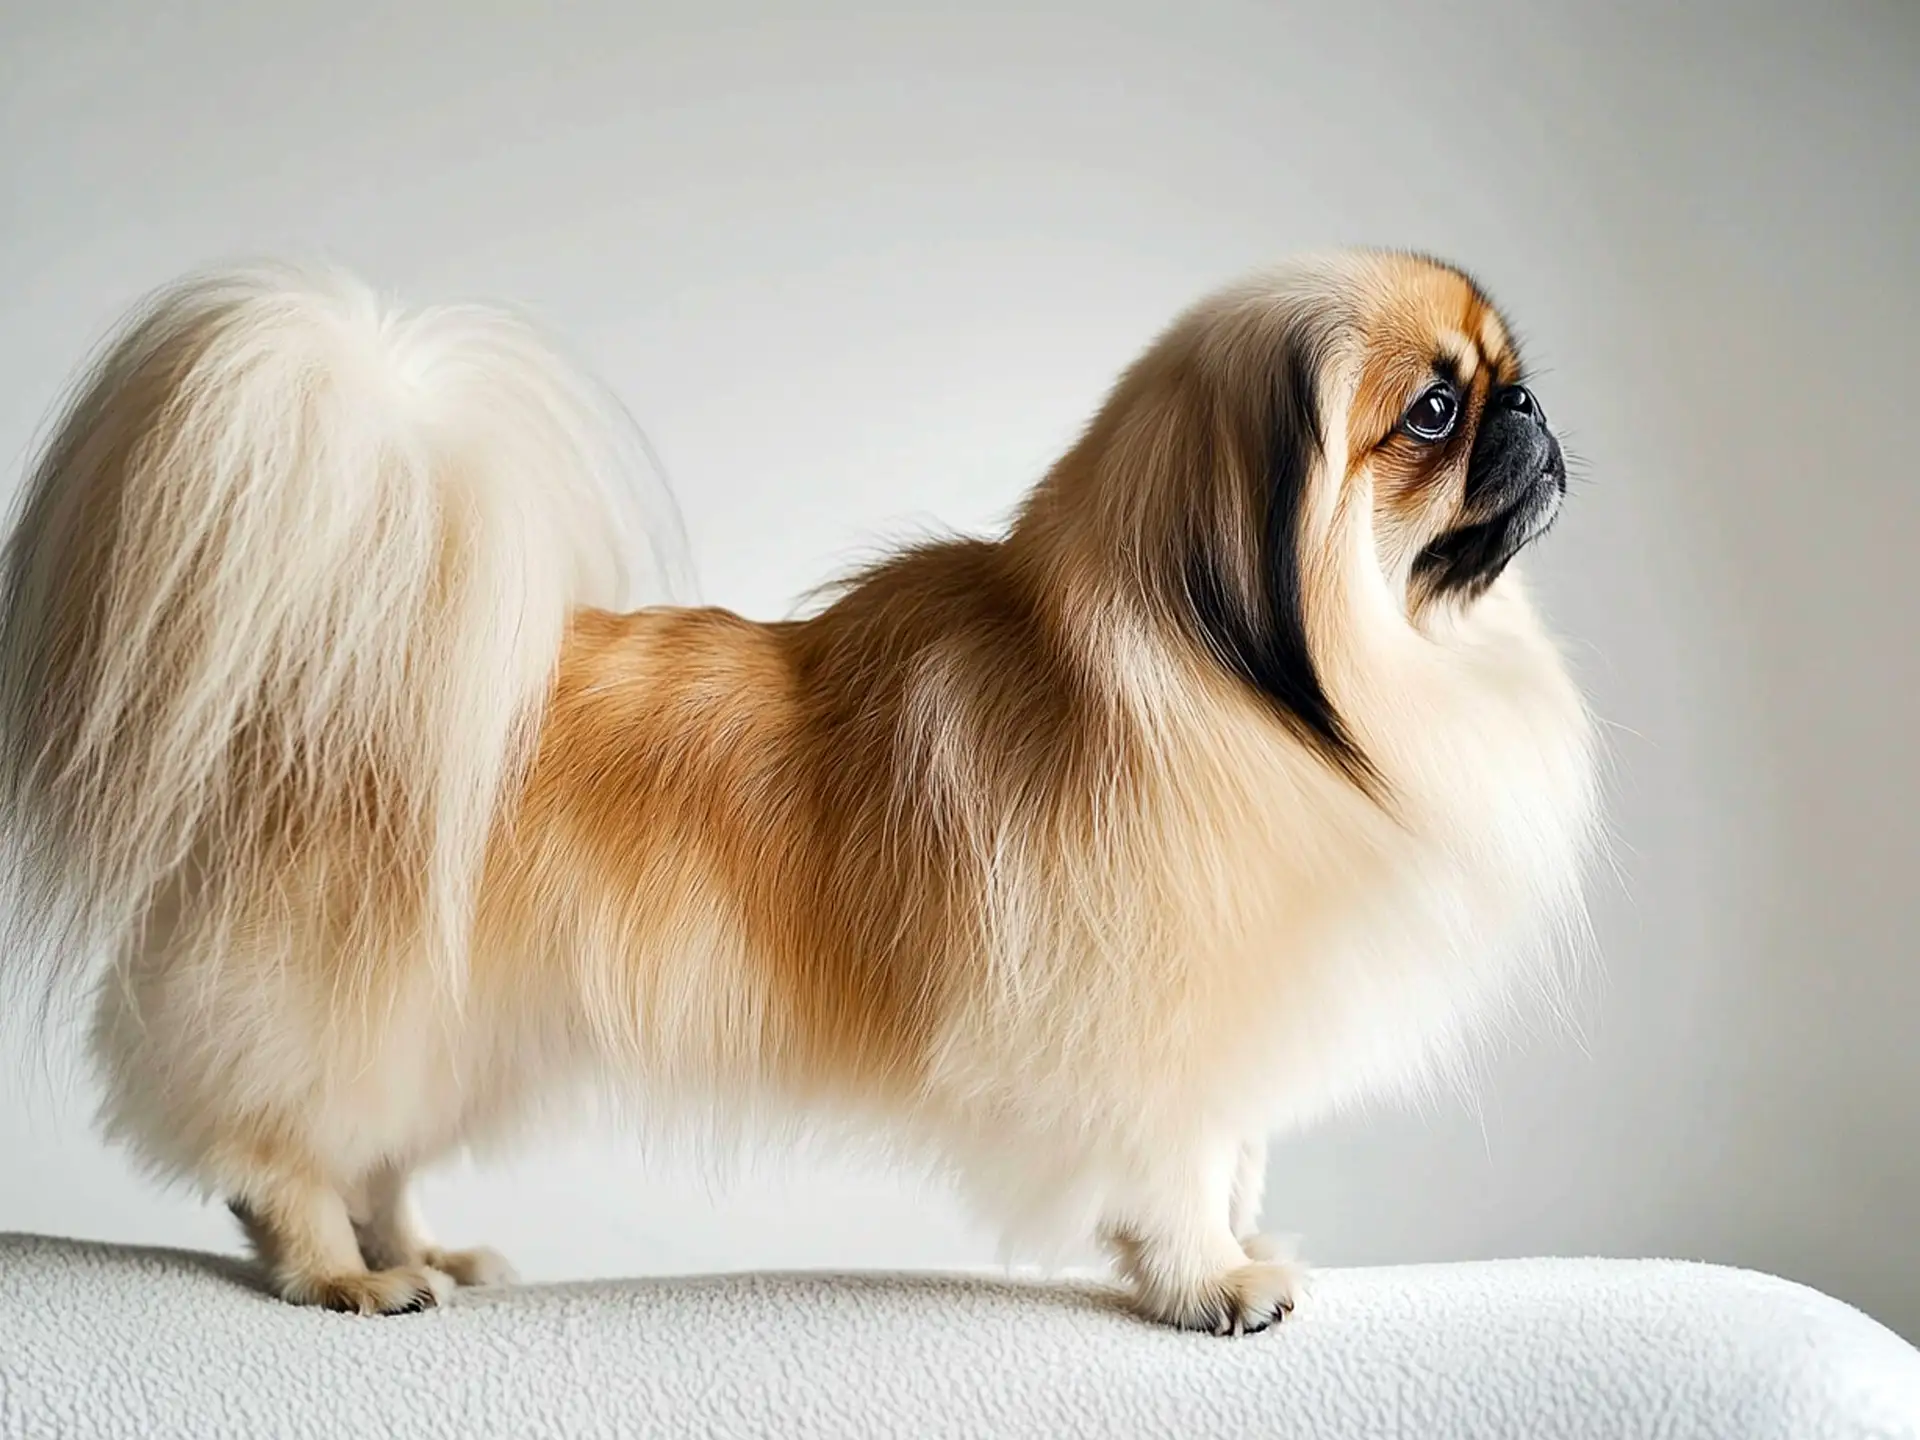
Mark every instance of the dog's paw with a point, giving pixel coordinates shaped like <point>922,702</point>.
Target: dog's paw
<point>1242,1301</point>
<point>478,1267</point>
<point>403,1290</point>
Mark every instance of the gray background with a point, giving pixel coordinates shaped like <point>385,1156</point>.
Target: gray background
<point>866,267</point>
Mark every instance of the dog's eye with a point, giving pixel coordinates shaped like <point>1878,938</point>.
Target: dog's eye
<point>1432,416</point>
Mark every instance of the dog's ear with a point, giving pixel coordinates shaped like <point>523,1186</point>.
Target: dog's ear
<point>1256,437</point>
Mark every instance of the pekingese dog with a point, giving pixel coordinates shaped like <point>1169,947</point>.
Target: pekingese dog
<point>1231,784</point>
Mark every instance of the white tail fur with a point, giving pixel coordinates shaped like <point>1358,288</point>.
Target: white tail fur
<point>287,588</point>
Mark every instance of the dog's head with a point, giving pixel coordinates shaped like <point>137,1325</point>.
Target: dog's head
<point>1345,441</point>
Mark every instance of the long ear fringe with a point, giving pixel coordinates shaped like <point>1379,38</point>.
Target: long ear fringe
<point>1258,629</point>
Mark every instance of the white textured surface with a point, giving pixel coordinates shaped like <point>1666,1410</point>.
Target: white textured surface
<point>98,1340</point>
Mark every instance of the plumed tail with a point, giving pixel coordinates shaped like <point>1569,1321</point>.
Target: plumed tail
<point>282,602</point>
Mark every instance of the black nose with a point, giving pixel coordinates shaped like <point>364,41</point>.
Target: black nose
<point>1519,399</point>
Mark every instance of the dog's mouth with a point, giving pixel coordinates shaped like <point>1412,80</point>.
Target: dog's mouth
<point>1465,561</point>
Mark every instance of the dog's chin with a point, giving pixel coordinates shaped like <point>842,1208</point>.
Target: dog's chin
<point>1466,560</point>
<point>1537,508</point>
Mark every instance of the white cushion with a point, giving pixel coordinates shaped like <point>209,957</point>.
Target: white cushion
<point>101,1340</point>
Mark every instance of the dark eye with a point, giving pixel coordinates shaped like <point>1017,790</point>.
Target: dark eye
<point>1431,417</point>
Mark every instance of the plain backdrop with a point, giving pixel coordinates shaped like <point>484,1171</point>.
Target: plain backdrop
<point>861,268</point>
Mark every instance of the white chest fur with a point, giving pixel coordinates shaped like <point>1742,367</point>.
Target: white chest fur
<point>1367,938</point>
